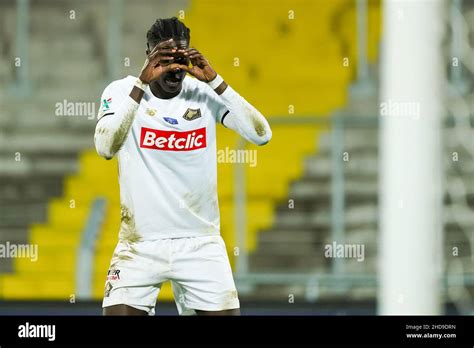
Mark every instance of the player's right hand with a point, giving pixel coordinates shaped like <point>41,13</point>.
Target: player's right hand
<point>159,61</point>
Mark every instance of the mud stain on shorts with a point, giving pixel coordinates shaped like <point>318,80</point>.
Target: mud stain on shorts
<point>125,257</point>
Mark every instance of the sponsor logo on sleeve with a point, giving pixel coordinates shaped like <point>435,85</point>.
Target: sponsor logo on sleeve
<point>106,104</point>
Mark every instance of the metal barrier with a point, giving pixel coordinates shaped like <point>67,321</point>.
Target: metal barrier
<point>22,86</point>
<point>86,250</point>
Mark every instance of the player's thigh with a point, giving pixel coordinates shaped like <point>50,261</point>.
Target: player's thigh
<point>202,277</point>
<point>235,311</point>
<point>123,310</point>
<point>133,279</point>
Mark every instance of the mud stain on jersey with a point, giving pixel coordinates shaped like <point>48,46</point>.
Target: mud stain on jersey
<point>118,139</point>
<point>258,125</point>
<point>128,230</point>
<point>101,130</point>
<point>213,197</point>
<point>192,201</point>
<point>120,135</point>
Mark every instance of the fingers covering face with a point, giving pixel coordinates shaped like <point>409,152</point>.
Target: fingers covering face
<point>174,66</point>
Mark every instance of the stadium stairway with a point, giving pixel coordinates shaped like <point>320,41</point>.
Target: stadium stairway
<point>41,149</point>
<point>38,145</point>
<point>282,71</point>
<point>296,240</point>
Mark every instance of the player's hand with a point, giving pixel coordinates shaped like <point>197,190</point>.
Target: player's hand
<point>200,67</point>
<point>159,61</point>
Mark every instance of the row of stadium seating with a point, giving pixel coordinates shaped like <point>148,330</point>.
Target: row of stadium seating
<point>289,61</point>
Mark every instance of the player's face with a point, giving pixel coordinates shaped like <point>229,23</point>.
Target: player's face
<point>171,81</point>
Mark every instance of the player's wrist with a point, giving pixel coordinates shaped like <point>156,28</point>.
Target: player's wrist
<point>141,84</point>
<point>216,82</point>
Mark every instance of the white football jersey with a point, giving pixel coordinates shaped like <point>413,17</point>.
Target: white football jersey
<point>167,164</point>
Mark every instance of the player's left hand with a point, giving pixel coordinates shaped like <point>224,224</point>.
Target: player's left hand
<point>200,67</point>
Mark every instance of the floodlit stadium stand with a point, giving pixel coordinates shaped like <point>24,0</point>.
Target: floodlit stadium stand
<point>287,60</point>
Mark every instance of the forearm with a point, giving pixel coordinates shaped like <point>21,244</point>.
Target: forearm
<point>112,130</point>
<point>246,119</point>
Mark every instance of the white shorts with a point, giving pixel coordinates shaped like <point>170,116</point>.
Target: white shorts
<point>198,268</point>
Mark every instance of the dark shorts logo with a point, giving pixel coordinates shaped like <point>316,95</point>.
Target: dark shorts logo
<point>108,288</point>
<point>113,274</point>
<point>192,114</point>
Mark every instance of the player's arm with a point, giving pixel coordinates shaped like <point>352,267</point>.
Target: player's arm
<point>114,123</point>
<point>242,117</point>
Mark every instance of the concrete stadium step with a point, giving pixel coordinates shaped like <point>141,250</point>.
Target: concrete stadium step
<point>314,193</point>
<point>365,164</point>
<point>59,22</point>
<point>6,265</point>
<point>281,292</point>
<point>6,72</point>
<point>463,219</point>
<point>457,233</point>
<point>22,214</point>
<point>462,168</point>
<point>460,263</point>
<point>367,236</point>
<point>360,138</point>
<point>8,21</point>
<point>15,235</point>
<point>49,116</point>
<point>305,250</point>
<point>70,89</point>
<point>293,263</point>
<point>359,164</point>
<point>78,46</point>
<point>50,125</point>
<point>356,216</point>
<point>287,237</point>
<point>12,235</point>
<point>353,138</point>
<point>54,69</point>
<point>30,188</point>
<point>83,91</point>
<point>42,143</point>
<point>30,166</point>
<point>367,266</point>
<point>458,139</point>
